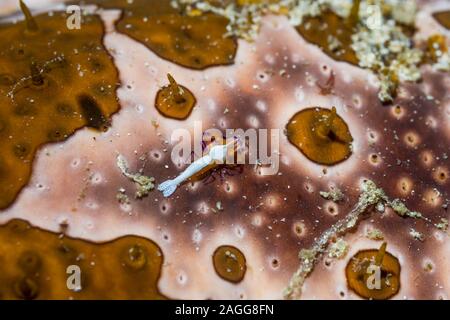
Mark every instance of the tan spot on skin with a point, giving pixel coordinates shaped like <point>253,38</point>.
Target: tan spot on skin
<point>404,186</point>
<point>411,139</point>
<point>440,175</point>
<point>331,208</point>
<point>432,197</point>
<point>299,229</point>
<point>374,159</point>
<point>427,158</point>
<point>398,112</point>
<point>273,201</point>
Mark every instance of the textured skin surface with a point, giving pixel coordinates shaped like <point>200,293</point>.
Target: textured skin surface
<point>260,212</point>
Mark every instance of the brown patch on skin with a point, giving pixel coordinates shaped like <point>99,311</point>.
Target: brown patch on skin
<point>443,18</point>
<point>53,81</point>
<point>321,135</point>
<point>229,263</point>
<point>357,273</point>
<point>319,30</point>
<point>194,42</point>
<point>174,101</point>
<point>125,268</point>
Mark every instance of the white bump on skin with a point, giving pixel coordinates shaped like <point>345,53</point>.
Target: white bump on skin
<point>299,95</point>
<point>261,106</point>
<point>92,205</point>
<point>239,231</point>
<point>230,82</point>
<point>97,178</point>
<point>257,220</point>
<point>296,58</point>
<point>166,237</point>
<point>431,122</point>
<point>126,207</point>
<point>197,236</point>
<point>357,101</point>
<point>308,187</point>
<point>253,121</point>
<point>156,155</point>
<point>75,163</point>
<point>372,136</point>
<point>182,278</point>
<point>325,69</point>
<point>139,108</point>
<point>203,208</point>
<point>165,207</point>
<point>262,76</point>
<point>269,59</point>
<point>212,106</point>
<point>347,78</point>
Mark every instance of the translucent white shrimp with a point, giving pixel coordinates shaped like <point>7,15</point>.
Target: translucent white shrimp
<point>217,153</point>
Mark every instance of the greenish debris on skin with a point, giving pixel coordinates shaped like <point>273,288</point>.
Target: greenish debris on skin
<point>122,197</point>
<point>416,234</point>
<point>371,196</point>
<point>338,249</point>
<point>374,234</point>
<point>400,208</point>
<point>443,225</point>
<point>144,184</point>
<point>335,194</point>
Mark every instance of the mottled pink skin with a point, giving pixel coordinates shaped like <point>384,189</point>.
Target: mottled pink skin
<point>259,211</point>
